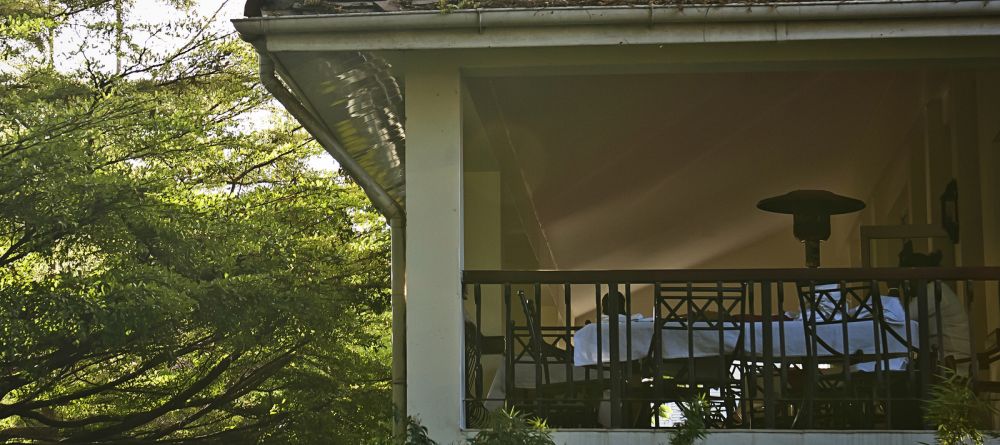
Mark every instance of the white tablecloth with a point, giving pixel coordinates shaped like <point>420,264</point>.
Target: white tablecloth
<point>861,337</point>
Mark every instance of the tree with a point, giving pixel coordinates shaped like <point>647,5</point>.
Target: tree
<point>167,272</point>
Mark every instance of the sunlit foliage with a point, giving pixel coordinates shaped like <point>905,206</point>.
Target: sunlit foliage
<point>169,272</point>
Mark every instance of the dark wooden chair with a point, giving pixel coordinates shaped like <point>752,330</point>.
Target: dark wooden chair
<point>836,395</point>
<point>557,396</point>
<point>541,350</point>
<point>697,308</point>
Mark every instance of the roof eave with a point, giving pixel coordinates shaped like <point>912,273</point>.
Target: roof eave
<point>658,23</point>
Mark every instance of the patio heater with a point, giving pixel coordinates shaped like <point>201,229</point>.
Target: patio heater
<point>811,210</point>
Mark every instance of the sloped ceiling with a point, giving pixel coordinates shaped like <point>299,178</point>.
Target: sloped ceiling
<point>664,171</point>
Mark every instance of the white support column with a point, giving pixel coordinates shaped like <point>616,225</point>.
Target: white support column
<point>434,336</point>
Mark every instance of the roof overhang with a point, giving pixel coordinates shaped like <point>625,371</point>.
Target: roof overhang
<point>626,25</point>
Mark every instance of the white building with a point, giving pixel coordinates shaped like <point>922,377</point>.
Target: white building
<point>635,141</point>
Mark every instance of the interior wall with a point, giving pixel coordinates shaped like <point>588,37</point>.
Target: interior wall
<point>481,215</point>
<point>940,147</point>
<point>886,204</point>
<point>988,93</point>
<point>482,220</point>
<point>961,141</point>
<point>778,249</point>
<point>962,113</point>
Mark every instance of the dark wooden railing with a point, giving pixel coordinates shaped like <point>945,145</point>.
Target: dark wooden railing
<point>722,336</point>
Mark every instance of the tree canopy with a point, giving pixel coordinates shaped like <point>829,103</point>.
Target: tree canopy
<point>172,267</point>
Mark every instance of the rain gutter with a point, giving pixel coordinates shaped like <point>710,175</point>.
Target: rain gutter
<point>482,19</point>
<point>385,204</point>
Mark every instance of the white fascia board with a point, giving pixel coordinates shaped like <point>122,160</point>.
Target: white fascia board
<point>625,25</point>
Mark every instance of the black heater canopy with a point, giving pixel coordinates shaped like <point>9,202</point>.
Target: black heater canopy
<point>811,210</point>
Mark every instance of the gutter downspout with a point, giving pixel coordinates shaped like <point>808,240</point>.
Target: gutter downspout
<point>397,230</point>
<point>382,201</point>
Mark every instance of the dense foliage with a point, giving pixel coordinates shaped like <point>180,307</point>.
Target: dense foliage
<point>169,273</point>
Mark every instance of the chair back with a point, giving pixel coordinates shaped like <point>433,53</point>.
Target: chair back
<point>534,325</point>
<point>704,315</point>
<point>695,308</point>
<point>830,310</point>
<point>691,312</point>
<point>701,306</point>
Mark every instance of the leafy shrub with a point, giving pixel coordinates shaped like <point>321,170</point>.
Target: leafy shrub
<point>956,411</point>
<point>693,427</point>
<point>508,427</point>
<point>416,434</point>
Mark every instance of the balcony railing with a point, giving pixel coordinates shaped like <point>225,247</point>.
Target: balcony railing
<point>757,348</point>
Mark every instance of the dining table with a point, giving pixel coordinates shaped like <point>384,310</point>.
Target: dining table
<point>788,339</point>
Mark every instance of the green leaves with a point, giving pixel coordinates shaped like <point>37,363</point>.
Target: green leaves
<point>957,412</point>
<point>167,271</point>
<point>693,428</point>
<point>417,434</point>
<point>508,427</point>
